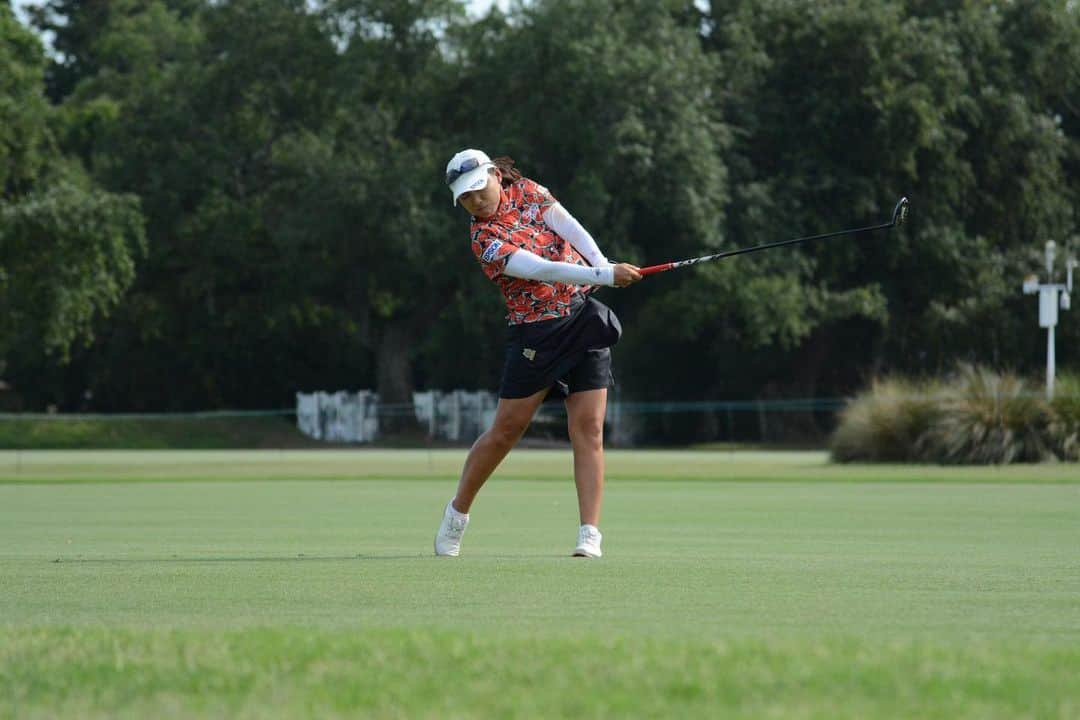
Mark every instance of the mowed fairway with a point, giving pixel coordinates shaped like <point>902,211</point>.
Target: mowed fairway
<point>301,584</point>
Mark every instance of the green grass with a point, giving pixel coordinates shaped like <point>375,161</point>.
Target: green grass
<point>115,466</point>
<point>300,584</point>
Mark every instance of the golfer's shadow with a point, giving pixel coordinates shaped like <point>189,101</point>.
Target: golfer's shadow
<point>279,559</point>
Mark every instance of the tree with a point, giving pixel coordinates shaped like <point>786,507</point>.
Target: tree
<point>839,109</point>
<point>67,248</point>
<point>605,104</point>
<point>403,263</point>
<point>288,156</point>
<point>203,114</point>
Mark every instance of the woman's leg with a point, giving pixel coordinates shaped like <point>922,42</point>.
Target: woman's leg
<point>512,417</point>
<point>585,421</point>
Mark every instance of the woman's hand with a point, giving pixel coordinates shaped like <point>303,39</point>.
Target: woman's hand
<point>626,274</point>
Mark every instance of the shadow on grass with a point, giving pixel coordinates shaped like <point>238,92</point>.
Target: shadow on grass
<point>293,558</point>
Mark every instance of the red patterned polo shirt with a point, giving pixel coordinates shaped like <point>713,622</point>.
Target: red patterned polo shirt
<point>519,223</point>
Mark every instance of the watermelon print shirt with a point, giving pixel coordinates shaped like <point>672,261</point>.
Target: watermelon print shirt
<point>519,223</point>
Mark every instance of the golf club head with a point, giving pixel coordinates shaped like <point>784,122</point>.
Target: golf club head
<point>899,214</point>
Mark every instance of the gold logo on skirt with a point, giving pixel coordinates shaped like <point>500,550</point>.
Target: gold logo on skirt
<point>529,354</point>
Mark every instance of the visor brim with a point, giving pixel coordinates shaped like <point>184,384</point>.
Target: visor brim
<point>476,179</point>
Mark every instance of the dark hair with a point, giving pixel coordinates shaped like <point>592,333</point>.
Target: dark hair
<point>510,174</point>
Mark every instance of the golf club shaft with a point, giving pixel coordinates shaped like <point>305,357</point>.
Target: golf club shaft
<point>742,251</point>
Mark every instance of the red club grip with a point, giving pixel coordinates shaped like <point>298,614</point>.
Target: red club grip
<point>655,268</point>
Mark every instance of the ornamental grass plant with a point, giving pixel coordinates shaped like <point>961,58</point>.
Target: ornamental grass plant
<point>978,416</point>
<point>988,418</point>
<point>1066,406</point>
<point>884,423</point>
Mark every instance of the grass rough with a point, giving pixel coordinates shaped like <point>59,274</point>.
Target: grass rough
<point>292,672</point>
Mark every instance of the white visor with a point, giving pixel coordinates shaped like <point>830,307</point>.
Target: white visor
<point>476,179</point>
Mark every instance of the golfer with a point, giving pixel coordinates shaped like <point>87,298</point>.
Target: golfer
<point>558,340</point>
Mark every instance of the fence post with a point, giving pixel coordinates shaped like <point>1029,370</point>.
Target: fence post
<point>761,420</point>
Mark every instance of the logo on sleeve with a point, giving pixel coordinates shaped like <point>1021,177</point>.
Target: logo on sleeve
<point>492,249</point>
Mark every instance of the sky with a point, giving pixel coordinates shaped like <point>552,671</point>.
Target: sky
<point>479,7</point>
<point>476,7</point>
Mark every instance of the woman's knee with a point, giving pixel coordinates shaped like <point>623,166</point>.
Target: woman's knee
<point>588,430</point>
<point>506,431</point>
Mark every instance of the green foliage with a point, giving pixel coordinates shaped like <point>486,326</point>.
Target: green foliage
<point>884,423</point>
<point>286,157</point>
<point>69,254</point>
<point>845,107</point>
<point>23,109</point>
<point>203,115</point>
<point>604,102</point>
<point>153,433</point>
<point>67,248</point>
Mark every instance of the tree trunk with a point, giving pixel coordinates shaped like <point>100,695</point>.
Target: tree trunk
<point>801,426</point>
<point>393,380</point>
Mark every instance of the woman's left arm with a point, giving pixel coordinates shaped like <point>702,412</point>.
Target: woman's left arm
<point>566,225</point>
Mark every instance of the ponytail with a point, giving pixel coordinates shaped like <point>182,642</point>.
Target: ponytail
<point>505,165</point>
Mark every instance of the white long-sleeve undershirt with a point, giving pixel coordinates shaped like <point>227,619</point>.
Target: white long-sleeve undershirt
<point>566,225</point>
<point>530,266</point>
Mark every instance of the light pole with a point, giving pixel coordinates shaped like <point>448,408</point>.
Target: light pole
<point>1049,301</point>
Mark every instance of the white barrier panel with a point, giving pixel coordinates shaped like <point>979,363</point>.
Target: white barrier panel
<point>307,415</point>
<point>456,416</point>
<point>338,417</point>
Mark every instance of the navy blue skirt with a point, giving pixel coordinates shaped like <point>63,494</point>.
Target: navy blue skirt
<point>567,355</point>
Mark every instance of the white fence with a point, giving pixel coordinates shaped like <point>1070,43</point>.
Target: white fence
<point>457,416</point>
<point>338,417</point>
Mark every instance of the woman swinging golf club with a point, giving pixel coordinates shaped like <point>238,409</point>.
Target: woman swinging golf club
<point>558,340</point>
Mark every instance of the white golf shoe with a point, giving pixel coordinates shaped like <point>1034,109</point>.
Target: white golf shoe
<point>588,542</point>
<point>452,527</point>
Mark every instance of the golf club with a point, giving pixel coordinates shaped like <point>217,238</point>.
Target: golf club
<point>898,217</point>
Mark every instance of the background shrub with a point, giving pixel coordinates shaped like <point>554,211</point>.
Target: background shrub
<point>988,418</point>
<point>1066,406</point>
<point>978,416</point>
<point>884,423</point>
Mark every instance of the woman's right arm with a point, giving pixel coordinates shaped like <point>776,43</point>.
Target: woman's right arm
<point>530,266</point>
<point>566,225</point>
